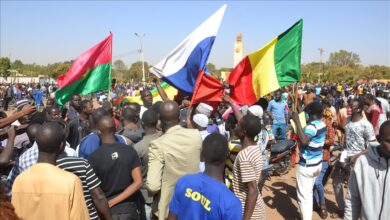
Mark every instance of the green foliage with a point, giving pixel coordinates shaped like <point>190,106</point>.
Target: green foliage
<point>5,66</point>
<point>119,70</point>
<point>343,58</point>
<point>217,73</point>
<point>17,65</point>
<point>56,69</point>
<point>210,67</point>
<point>135,72</point>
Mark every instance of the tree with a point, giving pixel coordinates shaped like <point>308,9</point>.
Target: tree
<point>344,58</point>
<point>57,69</point>
<point>119,65</point>
<point>211,68</point>
<point>5,66</point>
<point>17,65</point>
<point>119,70</point>
<point>135,71</point>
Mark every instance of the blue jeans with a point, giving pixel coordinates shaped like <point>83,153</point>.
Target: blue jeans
<point>319,192</point>
<point>279,131</point>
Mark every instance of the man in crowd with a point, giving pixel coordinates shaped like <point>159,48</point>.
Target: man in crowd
<point>94,197</point>
<point>147,100</point>
<point>384,104</point>
<point>312,138</point>
<point>174,154</point>
<point>373,112</point>
<point>368,184</point>
<point>7,97</point>
<point>92,142</point>
<point>149,123</point>
<point>247,169</point>
<point>319,190</point>
<point>53,113</point>
<point>358,132</point>
<point>38,97</point>
<point>45,191</point>
<point>204,195</point>
<point>79,126</point>
<point>29,158</point>
<point>118,167</point>
<point>74,106</point>
<point>309,96</point>
<point>277,109</point>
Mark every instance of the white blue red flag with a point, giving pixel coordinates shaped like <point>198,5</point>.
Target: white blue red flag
<point>181,66</point>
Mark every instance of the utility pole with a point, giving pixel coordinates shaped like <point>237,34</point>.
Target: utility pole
<point>141,51</point>
<point>319,66</point>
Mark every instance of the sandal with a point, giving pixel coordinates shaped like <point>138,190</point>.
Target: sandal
<point>323,213</point>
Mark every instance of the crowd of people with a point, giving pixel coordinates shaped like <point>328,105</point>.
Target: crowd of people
<point>173,160</point>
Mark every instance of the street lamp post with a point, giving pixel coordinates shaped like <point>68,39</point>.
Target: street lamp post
<point>319,67</point>
<point>142,56</point>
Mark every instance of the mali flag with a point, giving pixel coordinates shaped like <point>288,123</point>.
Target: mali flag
<point>275,65</point>
<point>90,72</point>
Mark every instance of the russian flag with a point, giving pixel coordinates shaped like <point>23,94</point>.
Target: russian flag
<point>182,65</point>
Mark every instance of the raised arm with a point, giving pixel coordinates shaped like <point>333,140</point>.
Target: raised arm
<point>26,110</point>
<point>4,156</point>
<point>160,90</point>
<point>236,111</point>
<point>305,139</point>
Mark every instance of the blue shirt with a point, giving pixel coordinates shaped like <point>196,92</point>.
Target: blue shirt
<point>278,110</point>
<point>312,153</point>
<point>38,96</point>
<point>91,143</point>
<point>198,196</point>
<point>318,90</point>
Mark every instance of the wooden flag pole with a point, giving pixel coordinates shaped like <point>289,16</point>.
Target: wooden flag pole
<point>295,96</point>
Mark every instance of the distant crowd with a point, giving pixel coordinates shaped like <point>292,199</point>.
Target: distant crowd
<point>98,159</point>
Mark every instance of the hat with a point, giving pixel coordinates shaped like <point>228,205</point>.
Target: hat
<point>201,120</point>
<point>256,110</point>
<point>19,104</point>
<point>204,109</point>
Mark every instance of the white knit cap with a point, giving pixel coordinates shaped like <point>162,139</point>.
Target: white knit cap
<point>201,120</point>
<point>256,110</point>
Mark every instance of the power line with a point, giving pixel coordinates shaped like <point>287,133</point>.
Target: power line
<point>121,55</point>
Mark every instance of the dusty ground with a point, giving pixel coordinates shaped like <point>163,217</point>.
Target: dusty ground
<point>280,197</point>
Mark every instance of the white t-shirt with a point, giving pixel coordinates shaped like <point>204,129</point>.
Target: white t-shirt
<point>358,135</point>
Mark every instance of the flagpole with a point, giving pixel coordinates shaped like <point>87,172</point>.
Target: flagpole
<point>142,56</point>
<point>295,97</point>
<point>110,78</point>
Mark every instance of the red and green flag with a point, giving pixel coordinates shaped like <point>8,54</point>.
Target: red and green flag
<point>275,65</point>
<point>90,72</point>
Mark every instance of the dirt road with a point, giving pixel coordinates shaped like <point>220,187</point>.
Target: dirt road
<point>280,197</point>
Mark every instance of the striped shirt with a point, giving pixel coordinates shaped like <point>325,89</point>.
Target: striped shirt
<point>312,153</point>
<point>234,149</point>
<point>81,168</point>
<point>247,168</point>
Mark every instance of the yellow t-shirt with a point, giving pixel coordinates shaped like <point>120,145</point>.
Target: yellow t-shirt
<point>45,191</point>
